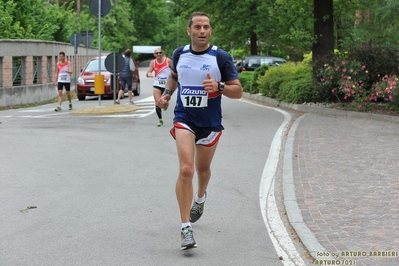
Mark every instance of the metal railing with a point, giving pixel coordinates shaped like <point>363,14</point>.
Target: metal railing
<point>37,73</point>
<point>17,71</point>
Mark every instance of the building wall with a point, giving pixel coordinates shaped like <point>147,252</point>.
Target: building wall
<point>27,69</point>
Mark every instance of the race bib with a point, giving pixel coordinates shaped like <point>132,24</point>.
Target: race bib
<point>161,81</point>
<point>194,96</point>
<point>63,77</point>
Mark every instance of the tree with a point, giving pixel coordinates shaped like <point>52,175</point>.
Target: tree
<point>9,27</point>
<point>258,27</point>
<point>323,47</point>
<point>151,19</point>
<point>229,20</point>
<point>277,27</point>
<point>30,19</point>
<point>118,32</point>
<point>376,22</point>
<point>289,28</point>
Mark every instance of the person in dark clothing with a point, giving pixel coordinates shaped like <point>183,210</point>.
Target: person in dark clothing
<point>126,77</point>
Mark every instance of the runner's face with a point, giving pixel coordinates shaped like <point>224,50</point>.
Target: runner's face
<point>158,53</point>
<point>200,31</point>
<point>61,57</point>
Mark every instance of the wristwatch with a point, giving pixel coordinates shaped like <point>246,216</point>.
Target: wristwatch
<point>220,86</point>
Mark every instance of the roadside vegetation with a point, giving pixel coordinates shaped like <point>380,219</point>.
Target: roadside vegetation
<point>362,79</point>
<point>344,53</point>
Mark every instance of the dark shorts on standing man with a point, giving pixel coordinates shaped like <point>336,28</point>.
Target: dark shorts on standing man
<point>128,81</point>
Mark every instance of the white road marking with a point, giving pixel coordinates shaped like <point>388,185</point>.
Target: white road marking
<point>147,108</point>
<point>275,227</point>
<point>34,111</point>
<point>50,115</point>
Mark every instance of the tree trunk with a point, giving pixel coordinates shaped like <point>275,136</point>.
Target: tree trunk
<point>78,8</point>
<point>323,47</point>
<point>254,44</point>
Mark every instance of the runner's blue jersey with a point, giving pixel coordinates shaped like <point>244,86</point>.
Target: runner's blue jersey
<point>193,104</point>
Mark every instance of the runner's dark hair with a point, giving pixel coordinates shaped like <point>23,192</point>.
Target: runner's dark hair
<point>197,14</point>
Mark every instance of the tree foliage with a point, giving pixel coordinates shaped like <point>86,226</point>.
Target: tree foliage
<point>277,27</point>
<point>118,33</point>
<point>30,19</point>
<point>9,27</point>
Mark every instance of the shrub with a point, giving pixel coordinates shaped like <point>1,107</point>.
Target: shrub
<point>245,79</point>
<point>270,82</point>
<point>346,80</point>
<point>258,72</point>
<point>307,58</point>
<point>299,87</point>
<point>387,88</point>
<point>380,60</point>
<point>350,82</point>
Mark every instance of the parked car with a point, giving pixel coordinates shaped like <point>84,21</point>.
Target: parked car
<point>253,61</point>
<point>85,86</point>
<point>238,64</point>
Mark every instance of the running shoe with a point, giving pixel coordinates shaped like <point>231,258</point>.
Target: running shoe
<point>58,108</point>
<point>160,123</point>
<point>70,106</point>
<point>187,238</point>
<point>131,102</point>
<point>196,210</point>
<point>117,101</point>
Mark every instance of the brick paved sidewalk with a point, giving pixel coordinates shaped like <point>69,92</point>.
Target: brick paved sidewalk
<point>346,173</point>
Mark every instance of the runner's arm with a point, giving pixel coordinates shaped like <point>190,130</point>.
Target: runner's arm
<point>233,89</point>
<point>69,68</point>
<point>170,87</point>
<point>132,66</point>
<point>56,76</point>
<point>150,70</point>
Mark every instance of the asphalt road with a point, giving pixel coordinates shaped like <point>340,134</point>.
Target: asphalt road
<point>99,190</point>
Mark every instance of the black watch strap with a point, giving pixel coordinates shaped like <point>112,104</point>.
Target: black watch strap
<point>167,91</point>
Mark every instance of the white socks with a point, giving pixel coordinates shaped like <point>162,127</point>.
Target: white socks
<point>184,225</point>
<point>199,200</point>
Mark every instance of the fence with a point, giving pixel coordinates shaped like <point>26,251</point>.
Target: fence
<point>28,67</point>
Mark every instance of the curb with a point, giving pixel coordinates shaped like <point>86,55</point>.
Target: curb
<point>319,110</point>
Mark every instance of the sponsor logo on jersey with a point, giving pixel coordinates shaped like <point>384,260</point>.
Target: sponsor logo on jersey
<point>193,92</point>
<point>205,67</point>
